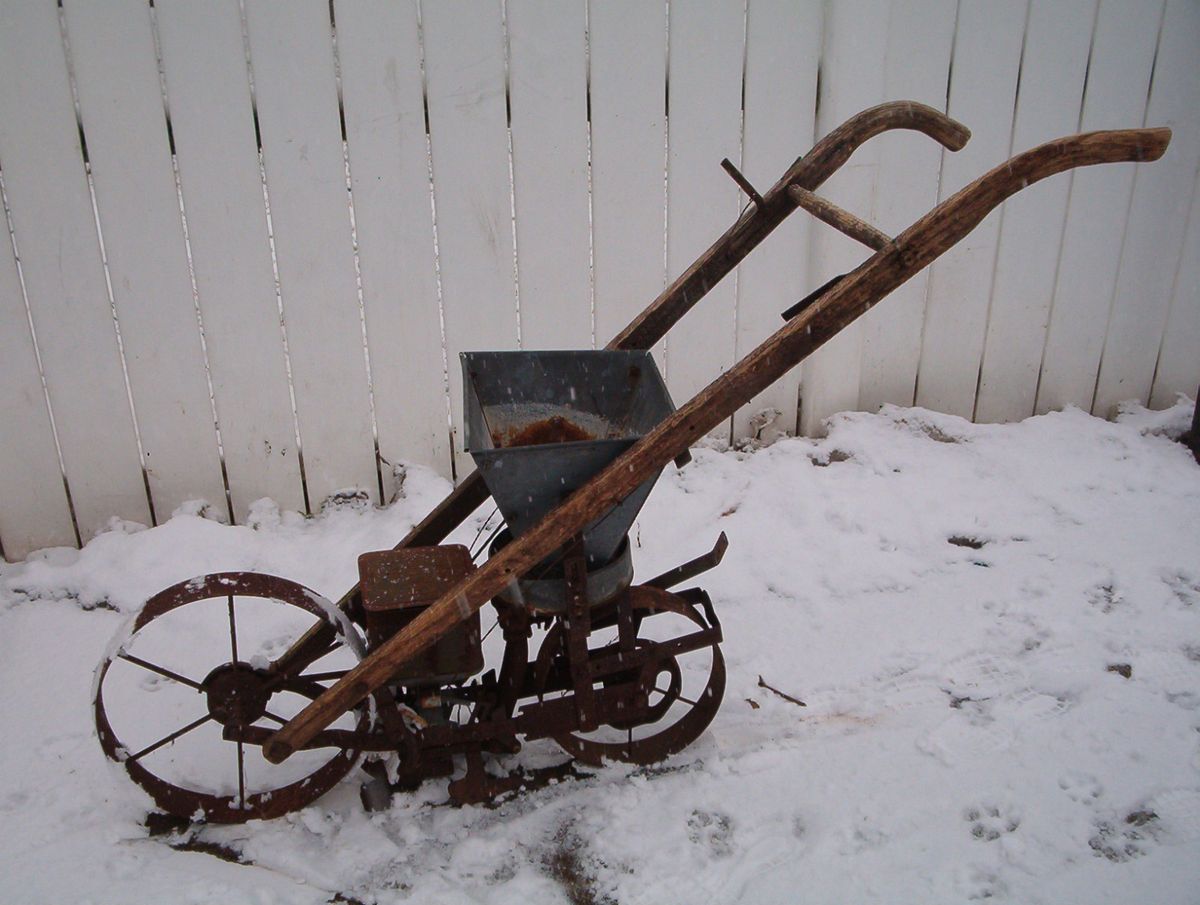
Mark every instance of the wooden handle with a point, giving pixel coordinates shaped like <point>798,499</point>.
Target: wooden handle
<point>841,220</point>
<point>676,300</point>
<point>912,251</point>
<point>808,172</point>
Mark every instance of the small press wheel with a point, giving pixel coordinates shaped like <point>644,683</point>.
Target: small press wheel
<point>684,691</point>
<point>191,675</point>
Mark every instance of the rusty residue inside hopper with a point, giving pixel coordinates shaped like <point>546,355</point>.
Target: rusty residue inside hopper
<point>555,429</point>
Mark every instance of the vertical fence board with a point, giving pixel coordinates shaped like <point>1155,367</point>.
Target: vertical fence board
<point>920,40</point>
<point>464,67</point>
<point>783,47</point>
<point>628,43</point>
<point>852,72</point>
<point>1157,219</point>
<point>34,512</point>
<point>291,52</point>
<point>1117,85</point>
<point>208,93</point>
<point>707,44</point>
<point>120,101</point>
<point>380,56</point>
<point>987,54</point>
<point>1085,290</point>
<point>1178,361</point>
<point>548,85</point>
<point>1048,106</point>
<point>60,257</point>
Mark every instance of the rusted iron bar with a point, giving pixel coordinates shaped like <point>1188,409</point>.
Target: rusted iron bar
<point>742,181</point>
<point>811,299</point>
<point>841,220</point>
<point>912,251</point>
<point>809,172</point>
<point>692,567</point>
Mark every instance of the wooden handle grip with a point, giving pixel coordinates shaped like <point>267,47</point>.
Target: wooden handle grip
<point>808,172</point>
<point>911,251</point>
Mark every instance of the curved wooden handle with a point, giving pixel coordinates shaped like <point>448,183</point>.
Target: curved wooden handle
<point>808,172</point>
<point>947,223</point>
<point>884,271</point>
<point>835,148</point>
<point>926,240</point>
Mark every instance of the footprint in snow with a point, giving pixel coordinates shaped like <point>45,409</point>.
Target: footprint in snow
<point>1105,597</point>
<point>988,822</point>
<point>956,740</point>
<point>1028,705</point>
<point>1184,587</point>
<point>1123,839</point>
<point>982,885</point>
<point>980,675</point>
<point>862,838</point>
<point>1081,787</point>
<point>910,692</point>
<point>712,830</point>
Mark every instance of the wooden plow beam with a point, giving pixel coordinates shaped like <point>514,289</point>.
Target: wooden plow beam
<point>830,312</point>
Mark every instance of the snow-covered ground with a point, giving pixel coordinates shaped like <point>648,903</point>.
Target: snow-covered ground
<point>996,631</point>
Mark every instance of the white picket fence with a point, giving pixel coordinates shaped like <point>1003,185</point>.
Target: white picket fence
<point>190,307</point>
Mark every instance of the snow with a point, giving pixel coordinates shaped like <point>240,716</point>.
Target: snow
<point>956,604</point>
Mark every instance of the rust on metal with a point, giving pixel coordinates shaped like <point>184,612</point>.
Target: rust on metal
<point>623,672</point>
<point>913,250</point>
<point>397,585</point>
<point>809,171</point>
<point>231,699</point>
<point>555,429</point>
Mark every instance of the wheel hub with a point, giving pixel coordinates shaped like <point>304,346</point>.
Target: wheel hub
<point>237,694</point>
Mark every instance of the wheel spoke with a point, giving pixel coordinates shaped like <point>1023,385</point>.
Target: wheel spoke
<point>232,631</point>
<point>166,673</point>
<point>290,665</point>
<point>236,690</point>
<point>324,676</point>
<point>241,754</point>
<point>666,693</point>
<point>166,740</point>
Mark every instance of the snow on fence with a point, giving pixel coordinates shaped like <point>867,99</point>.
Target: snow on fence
<point>249,239</point>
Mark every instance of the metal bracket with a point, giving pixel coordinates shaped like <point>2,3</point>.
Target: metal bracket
<point>743,182</point>
<point>578,626</point>
<point>693,567</point>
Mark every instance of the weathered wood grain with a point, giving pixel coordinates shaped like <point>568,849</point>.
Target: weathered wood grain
<point>912,250</point>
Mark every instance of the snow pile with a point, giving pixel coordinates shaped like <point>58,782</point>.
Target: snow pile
<point>995,631</point>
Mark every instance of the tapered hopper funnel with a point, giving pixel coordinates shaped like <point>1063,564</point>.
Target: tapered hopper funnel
<point>540,424</point>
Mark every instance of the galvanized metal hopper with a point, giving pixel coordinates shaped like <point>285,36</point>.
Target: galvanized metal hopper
<point>540,424</point>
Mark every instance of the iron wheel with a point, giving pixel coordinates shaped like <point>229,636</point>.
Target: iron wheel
<point>193,668</point>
